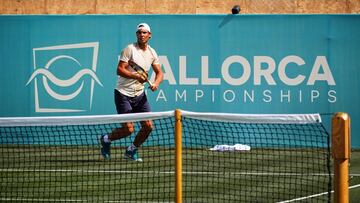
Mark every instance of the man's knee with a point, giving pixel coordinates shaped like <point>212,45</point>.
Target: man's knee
<point>128,128</point>
<point>147,126</point>
<point>125,130</point>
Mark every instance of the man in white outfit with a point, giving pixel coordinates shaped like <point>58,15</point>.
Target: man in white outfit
<point>129,92</point>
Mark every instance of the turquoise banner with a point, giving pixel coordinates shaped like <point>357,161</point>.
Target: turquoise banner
<point>66,65</point>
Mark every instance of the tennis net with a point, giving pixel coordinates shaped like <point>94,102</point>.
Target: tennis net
<point>255,158</point>
<point>225,158</point>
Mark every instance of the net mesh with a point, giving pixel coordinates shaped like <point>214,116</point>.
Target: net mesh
<point>279,161</point>
<point>285,162</point>
<point>52,163</point>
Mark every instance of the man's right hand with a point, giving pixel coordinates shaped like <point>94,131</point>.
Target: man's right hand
<point>140,77</point>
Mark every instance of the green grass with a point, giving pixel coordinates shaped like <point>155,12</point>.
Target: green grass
<point>77,173</point>
<point>355,178</point>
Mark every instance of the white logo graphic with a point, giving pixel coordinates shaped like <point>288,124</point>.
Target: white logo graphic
<point>59,95</point>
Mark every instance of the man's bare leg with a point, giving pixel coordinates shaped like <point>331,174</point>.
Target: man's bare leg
<point>143,134</point>
<point>124,131</point>
<point>117,133</point>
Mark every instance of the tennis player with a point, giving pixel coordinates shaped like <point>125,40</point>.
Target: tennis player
<point>129,92</point>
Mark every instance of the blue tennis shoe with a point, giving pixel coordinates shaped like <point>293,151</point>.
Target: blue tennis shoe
<point>132,155</point>
<point>105,148</point>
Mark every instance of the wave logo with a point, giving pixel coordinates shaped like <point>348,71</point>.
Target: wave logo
<point>64,77</point>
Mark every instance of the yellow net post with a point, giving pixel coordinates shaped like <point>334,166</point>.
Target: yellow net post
<point>341,154</point>
<point>178,157</point>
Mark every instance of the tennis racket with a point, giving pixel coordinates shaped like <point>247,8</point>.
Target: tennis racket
<point>138,69</point>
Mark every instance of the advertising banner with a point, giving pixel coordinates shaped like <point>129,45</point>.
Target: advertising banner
<point>66,65</point>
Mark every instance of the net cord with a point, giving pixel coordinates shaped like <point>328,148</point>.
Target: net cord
<point>256,118</point>
<point>83,120</point>
<point>105,119</point>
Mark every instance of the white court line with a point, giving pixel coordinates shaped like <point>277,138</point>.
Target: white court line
<point>162,172</point>
<point>40,200</point>
<point>168,172</point>
<point>354,186</point>
<point>114,201</point>
<point>66,200</point>
<point>84,171</point>
<point>315,195</point>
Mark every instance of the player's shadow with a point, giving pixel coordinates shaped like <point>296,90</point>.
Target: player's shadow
<point>226,20</point>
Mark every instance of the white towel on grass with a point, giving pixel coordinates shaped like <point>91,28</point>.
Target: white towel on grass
<point>236,147</point>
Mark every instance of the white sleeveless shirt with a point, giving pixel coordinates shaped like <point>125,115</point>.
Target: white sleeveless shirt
<point>128,86</point>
